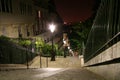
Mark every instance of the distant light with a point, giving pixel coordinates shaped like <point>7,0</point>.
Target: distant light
<point>64,42</point>
<point>65,22</point>
<point>39,14</point>
<point>70,50</point>
<point>68,47</point>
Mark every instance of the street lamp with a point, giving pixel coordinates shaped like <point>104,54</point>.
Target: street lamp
<point>52,29</point>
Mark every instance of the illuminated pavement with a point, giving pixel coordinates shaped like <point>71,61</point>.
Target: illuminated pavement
<point>61,62</point>
<point>49,74</point>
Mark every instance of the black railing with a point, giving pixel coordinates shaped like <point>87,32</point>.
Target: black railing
<point>105,31</point>
<point>11,53</point>
<point>108,44</point>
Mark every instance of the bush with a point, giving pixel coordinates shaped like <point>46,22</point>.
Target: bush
<point>46,50</point>
<point>4,38</point>
<point>25,42</point>
<point>60,53</point>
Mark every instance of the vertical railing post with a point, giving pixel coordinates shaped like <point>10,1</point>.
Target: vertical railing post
<point>27,58</point>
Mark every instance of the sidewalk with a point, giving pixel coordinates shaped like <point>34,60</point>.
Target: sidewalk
<point>49,74</point>
<point>61,62</point>
<point>62,69</point>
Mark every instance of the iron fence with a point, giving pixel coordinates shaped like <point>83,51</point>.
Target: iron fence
<point>14,54</point>
<point>105,30</point>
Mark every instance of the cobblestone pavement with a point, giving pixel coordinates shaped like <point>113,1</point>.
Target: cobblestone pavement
<point>49,74</point>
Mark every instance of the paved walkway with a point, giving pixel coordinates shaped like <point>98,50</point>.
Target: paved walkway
<point>61,62</point>
<point>62,69</point>
<point>49,74</point>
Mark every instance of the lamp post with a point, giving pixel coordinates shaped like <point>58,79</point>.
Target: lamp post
<point>52,29</point>
<point>40,56</point>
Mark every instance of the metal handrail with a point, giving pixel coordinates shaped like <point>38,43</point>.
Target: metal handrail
<point>104,45</point>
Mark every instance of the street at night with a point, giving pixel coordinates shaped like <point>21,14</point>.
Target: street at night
<point>59,39</point>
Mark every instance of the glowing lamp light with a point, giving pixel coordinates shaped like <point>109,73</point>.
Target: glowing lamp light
<point>52,27</point>
<point>64,42</point>
<point>68,47</point>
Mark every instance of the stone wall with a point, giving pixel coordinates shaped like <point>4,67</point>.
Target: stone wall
<point>107,55</point>
<point>107,63</point>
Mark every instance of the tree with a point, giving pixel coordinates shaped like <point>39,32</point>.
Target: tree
<point>79,34</point>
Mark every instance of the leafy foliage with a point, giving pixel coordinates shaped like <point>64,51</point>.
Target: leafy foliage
<point>79,33</point>
<point>46,49</point>
<point>25,42</point>
<point>11,53</point>
<point>4,38</point>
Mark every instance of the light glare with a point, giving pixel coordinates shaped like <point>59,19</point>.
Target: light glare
<point>52,27</point>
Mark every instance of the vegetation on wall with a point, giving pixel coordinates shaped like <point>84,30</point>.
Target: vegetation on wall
<point>11,53</point>
<point>17,51</point>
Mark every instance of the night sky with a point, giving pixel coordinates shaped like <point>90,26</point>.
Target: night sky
<point>74,10</point>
